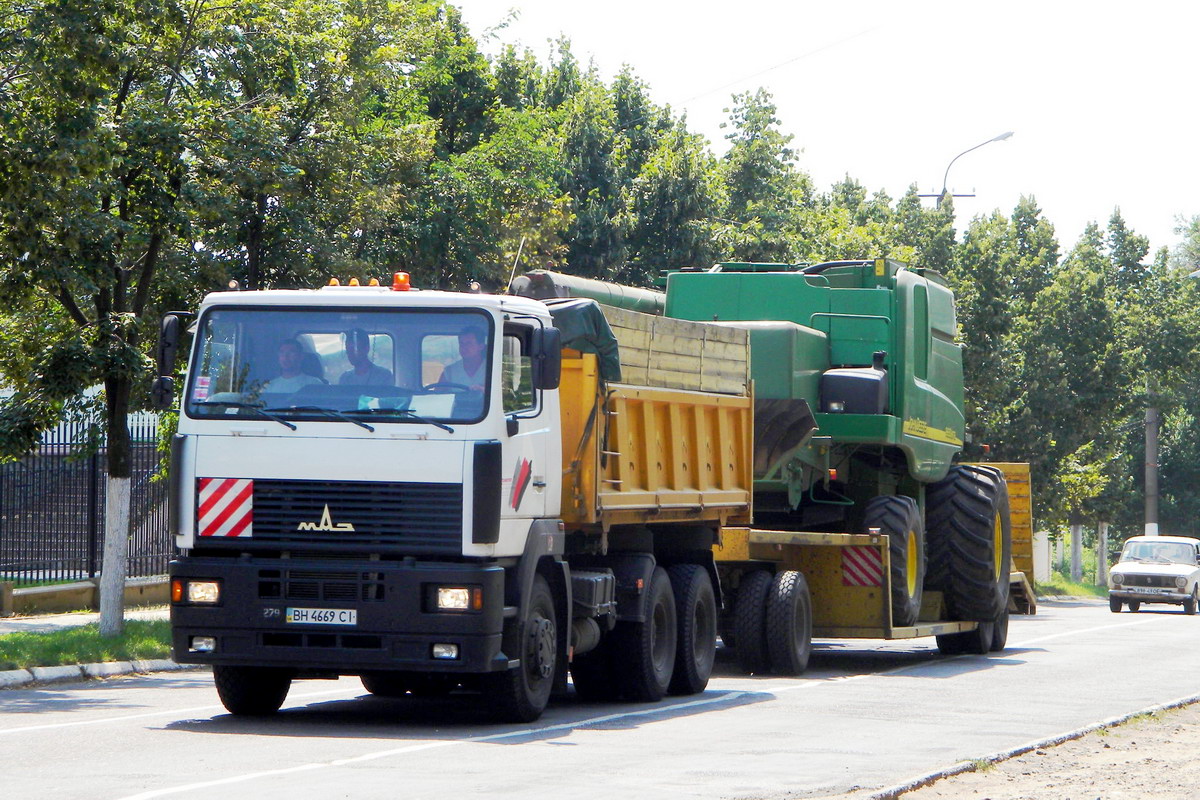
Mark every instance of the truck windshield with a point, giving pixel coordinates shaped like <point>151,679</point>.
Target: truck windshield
<point>342,365</point>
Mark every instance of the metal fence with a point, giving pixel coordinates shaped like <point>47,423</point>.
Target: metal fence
<point>52,509</point>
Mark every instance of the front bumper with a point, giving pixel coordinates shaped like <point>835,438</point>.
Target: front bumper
<point>1150,594</point>
<point>395,627</point>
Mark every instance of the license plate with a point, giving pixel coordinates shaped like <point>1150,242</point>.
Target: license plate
<point>322,616</point>
<point>1143,589</point>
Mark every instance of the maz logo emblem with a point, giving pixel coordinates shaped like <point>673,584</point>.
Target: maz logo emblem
<point>326,524</point>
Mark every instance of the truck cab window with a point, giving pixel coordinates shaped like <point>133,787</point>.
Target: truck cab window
<point>516,376</point>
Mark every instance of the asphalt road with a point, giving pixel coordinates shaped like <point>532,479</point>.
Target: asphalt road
<point>866,715</point>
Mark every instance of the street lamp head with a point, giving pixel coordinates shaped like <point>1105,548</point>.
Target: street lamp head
<point>1003,136</point>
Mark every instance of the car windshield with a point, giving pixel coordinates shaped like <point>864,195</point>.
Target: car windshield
<point>342,366</point>
<point>1165,552</point>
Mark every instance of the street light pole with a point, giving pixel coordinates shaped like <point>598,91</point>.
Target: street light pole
<point>1002,137</point>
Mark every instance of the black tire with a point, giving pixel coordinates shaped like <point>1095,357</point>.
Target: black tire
<point>1135,605</point>
<point>1114,604</point>
<point>1000,633</point>
<point>1189,605</point>
<point>725,618</point>
<point>750,621</point>
<point>251,691</point>
<point>977,642</point>
<point>521,694</point>
<point>644,652</point>
<point>900,518</point>
<point>789,623</point>
<point>696,626</point>
<point>969,540</point>
<point>385,684</point>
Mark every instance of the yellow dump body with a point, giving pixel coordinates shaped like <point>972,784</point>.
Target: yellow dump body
<point>639,455</point>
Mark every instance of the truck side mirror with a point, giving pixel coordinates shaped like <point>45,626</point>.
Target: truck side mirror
<point>162,392</point>
<point>547,357</point>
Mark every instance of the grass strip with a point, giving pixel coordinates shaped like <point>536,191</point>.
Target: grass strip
<point>83,644</point>
<point>1059,585</point>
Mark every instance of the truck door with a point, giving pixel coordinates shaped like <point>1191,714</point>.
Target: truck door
<point>527,453</point>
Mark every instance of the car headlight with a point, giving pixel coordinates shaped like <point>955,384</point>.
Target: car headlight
<point>1181,581</point>
<point>1117,579</point>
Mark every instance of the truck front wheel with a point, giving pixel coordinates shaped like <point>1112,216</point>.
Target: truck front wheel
<point>696,622</point>
<point>251,691</point>
<point>521,694</point>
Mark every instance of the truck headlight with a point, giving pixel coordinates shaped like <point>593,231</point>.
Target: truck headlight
<point>1181,581</point>
<point>1117,579</point>
<point>203,592</point>
<point>453,598</point>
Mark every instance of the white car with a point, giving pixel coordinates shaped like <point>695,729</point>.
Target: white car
<point>1156,569</point>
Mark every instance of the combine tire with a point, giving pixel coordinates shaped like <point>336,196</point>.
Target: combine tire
<point>900,518</point>
<point>644,652</point>
<point>969,539</point>
<point>521,694</point>
<point>696,623</point>
<point>1114,605</point>
<point>789,623</point>
<point>251,691</point>
<point>749,621</point>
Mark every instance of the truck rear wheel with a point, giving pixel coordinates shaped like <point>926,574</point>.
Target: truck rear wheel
<point>644,652</point>
<point>900,518</point>
<point>521,694</point>
<point>969,539</point>
<point>251,691</point>
<point>750,621</point>
<point>696,623</point>
<point>789,623</point>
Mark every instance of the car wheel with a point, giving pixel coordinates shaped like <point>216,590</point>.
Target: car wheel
<point>1114,605</point>
<point>1134,605</point>
<point>1189,605</point>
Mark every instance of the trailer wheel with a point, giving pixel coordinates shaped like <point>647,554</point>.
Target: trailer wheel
<point>977,642</point>
<point>696,623</point>
<point>644,652</point>
<point>750,621</point>
<point>900,518</point>
<point>1000,632</point>
<point>251,691</point>
<point>592,676</point>
<point>789,623</point>
<point>969,538</point>
<point>521,694</point>
<point>385,684</point>
<point>1114,604</point>
<point>398,684</point>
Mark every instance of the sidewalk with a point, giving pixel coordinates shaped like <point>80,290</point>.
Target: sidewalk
<point>47,623</point>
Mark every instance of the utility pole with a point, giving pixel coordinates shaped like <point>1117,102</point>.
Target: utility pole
<point>1102,555</point>
<point>1152,423</point>
<point>1076,552</point>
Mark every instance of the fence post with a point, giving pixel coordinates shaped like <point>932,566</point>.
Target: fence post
<point>93,512</point>
<point>6,598</point>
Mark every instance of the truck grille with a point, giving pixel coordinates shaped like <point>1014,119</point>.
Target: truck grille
<point>414,518</point>
<point>321,585</point>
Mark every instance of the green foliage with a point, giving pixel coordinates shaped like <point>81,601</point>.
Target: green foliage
<point>83,644</point>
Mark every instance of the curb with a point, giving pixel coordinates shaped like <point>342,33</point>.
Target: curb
<point>20,678</point>
<point>897,791</point>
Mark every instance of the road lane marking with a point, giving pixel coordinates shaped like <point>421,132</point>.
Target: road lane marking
<point>169,712</point>
<point>529,732</point>
<point>1109,627</point>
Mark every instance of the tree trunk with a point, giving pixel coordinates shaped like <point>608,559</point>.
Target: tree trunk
<point>1076,552</point>
<point>116,509</point>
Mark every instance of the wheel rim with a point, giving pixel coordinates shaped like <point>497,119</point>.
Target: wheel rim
<point>541,648</point>
<point>997,547</point>
<point>705,626</point>
<point>911,572</point>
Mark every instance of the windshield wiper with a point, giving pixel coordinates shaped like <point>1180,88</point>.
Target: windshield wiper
<point>329,412</point>
<point>406,412</point>
<point>262,412</point>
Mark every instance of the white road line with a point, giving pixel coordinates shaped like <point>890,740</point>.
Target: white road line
<point>166,713</point>
<point>1038,640</point>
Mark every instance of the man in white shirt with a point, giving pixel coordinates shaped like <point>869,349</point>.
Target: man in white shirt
<point>469,370</point>
<point>290,379</point>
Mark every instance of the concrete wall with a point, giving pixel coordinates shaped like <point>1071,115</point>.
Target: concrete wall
<point>80,596</point>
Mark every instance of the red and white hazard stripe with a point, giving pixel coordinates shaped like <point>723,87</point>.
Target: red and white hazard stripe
<point>225,507</point>
<point>862,566</point>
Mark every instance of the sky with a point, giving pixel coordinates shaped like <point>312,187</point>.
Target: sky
<point>1100,96</point>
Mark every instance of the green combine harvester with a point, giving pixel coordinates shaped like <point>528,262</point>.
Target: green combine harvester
<point>858,386</point>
